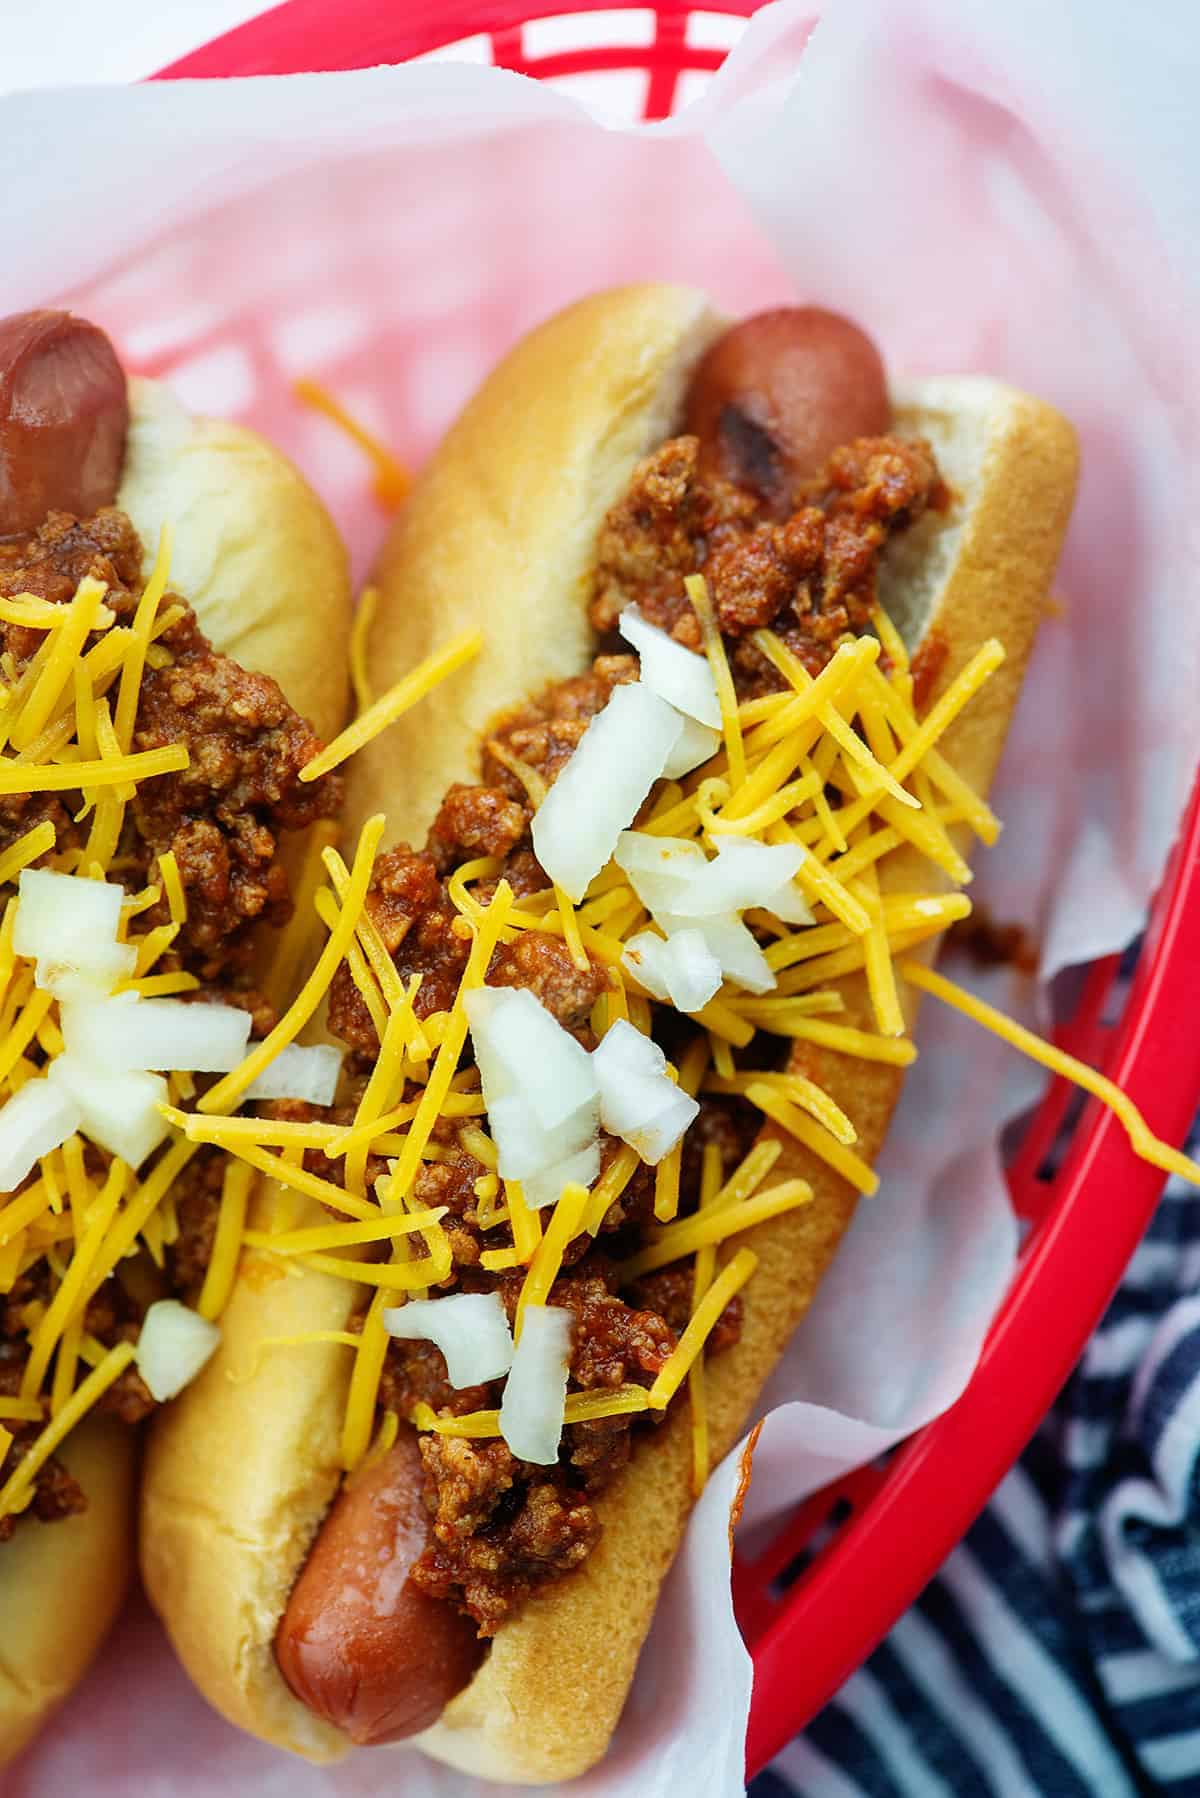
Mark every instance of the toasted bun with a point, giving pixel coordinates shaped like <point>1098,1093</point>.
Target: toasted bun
<point>61,1584</point>
<point>258,557</point>
<point>253,549</point>
<point>499,532</point>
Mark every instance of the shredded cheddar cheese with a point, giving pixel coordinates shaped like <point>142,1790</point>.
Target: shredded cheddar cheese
<point>360,633</point>
<point>390,480</point>
<point>1143,1140</point>
<point>391,705</point>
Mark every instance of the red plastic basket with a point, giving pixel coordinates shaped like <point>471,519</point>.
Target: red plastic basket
<point>871,1541</point>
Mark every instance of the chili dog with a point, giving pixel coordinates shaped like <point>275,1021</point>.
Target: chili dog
<point>627,446</point>
<point>93,465</point>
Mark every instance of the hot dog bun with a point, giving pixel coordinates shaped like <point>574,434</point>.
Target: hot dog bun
<point>499,533</point>
<point>90,1558</point>
<point>259,559</point>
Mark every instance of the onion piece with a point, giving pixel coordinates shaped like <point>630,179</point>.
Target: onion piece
<point>681,969</point>
<point>621,754</point>
<point>733,945</point>
<point>118,1111</point>
<point>535,1393</point>
<point>695,745</point>
<point>744,873</point>
<point>61,916</point>
<point>175,1343</point>
<point>545,1187</point>
<point>127,1032</point>
<point>309,1074</point>
<point>638,1101</point>
<point>531,1070</point>
<point>90,974</point>
<point>642,855</point>
<point>470,1328</point>
<point>526,1147</point>
<point>35,1120</point>
<point>520,1045</point>
<point>676,674</point>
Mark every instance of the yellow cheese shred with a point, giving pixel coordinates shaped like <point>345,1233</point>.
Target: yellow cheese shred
<point>801,1091</point>
<point>27,848</point>
<point>678,1240</point>
<point>714,648</point>
<point>730,1280</point>
<point>17,1491</point>
<point>581,1407</point>
<point>391,480</point>
<point>942,714</point>
<point>65,777</point>
<point>316,1238</point>
<point>225,1094</point>
<point>143,621</point>
<point>526,1223</point>
<point>451,1047</point>
<point>565,1224</point>
<point>172,881</point>
<point>236,1185</point>
<point>292,946</point>
<point>364,1384</point>
<point>666,1174</point>
<point>1143,1140</point>
<point>400,698</point>
<point>881,978</point>
<point>570,931</point>
<point>702,1277</point>
<point>360,633</point>
<point>61,651</point>
<point>814,1136</point>
<point>43,1339</point>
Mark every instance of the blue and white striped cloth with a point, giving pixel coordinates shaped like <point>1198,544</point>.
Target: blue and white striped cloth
<point>1057,1653</point>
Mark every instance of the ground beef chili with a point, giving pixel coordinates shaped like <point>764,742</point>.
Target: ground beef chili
<point>223,818</point>
<point>501,1526</point>
<point>811,578</point>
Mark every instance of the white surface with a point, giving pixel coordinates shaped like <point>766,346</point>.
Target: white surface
<point>67,41</point>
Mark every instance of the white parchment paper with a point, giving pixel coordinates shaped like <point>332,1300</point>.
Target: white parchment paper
<point>1008,189</point>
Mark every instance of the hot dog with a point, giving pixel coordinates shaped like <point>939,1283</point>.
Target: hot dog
<point>64,414</point>
<point>631,444</point>
<point>93,464</point>
<point>359,1643</point>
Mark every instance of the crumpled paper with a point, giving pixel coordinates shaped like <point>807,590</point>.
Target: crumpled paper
<point>1007,189</point>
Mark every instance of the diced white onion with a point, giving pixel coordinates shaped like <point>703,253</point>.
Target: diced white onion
<point>598,794</point>
<point>532,1070</point>
<point>535,1393</point>
<point>59,916</point>
<point>36,1120</point>
<point>91,971</point>
<point>526,1147</point>
<point>695,745</point>
<point>310,1074</point>
<point>545,1187</point>
<point>681,970</point>
<point>526,1047</point>
<point>744,873</point>
<point>733,945</point>
<point>660,869</point>
<point>638,1101</point>
<point>118,1111</point>
<point>676,674</point>
<point>174,1345</point>
<point>470,1328</point>
<point>127,1032</point>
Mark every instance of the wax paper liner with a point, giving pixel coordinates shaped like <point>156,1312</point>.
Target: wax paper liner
<point>1005,189</point>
